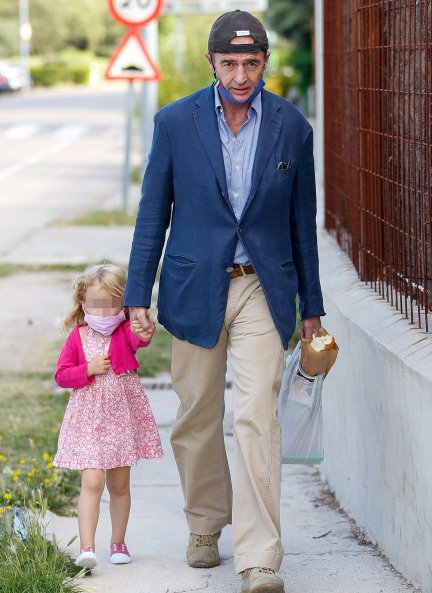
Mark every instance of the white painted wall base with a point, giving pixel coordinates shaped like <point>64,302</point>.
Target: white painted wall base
<point>378,418</point>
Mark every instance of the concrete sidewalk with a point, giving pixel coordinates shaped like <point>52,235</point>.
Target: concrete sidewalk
<point>72,245</point>
<point>322,555</point>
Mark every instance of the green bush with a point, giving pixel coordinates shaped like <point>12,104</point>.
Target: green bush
<point>184,69</point>
<point>46,75</point>
<point>79,74</point>
<point>52,74</point>
<point>278,83</point>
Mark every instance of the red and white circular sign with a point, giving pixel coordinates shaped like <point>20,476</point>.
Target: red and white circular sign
<point>135,13</point>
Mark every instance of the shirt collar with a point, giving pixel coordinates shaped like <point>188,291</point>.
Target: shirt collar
<point>255,105</point>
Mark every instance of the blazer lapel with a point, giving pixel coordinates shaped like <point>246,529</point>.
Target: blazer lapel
<point>271,124</point>
<point>208,131</point>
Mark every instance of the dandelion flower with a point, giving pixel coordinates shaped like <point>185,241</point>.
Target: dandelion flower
<point>31,473</point>
<point>1,510</point>
<point>50,465</point>
<point>16,473</point>
<point>7,496</point>
<point>22,461</point>
<point>2,457</point>
<point>9,507</point>
<point>47,457</point>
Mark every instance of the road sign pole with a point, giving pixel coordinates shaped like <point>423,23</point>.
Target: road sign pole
<point>179,39</point>
<point>128,144</point>
<point>25,36</point>
<point>149,92</point>
<point>132,61</point>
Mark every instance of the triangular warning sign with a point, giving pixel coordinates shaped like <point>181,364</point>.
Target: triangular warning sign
<point>131,61</point>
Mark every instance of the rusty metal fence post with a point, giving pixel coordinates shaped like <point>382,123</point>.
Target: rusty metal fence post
<point>378,152</point>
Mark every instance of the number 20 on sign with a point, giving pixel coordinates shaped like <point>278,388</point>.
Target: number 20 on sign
<point>135,13</point>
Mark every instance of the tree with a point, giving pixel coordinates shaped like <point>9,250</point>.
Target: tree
<point>293,20</point>
<point>181,57</point>
<point>83,24</point>
<point>9,29</point>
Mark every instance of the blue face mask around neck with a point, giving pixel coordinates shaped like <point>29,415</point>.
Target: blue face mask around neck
<point>223,91</point>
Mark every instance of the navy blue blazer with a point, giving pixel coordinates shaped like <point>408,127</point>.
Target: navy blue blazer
<point>184,187</point>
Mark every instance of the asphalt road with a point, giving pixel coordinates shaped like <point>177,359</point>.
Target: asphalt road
<point>61,153</point>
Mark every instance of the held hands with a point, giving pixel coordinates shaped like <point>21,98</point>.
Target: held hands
<point>309,326</point>
<point>141,324</point>
<point>99,365</point>
<point>144,335</point>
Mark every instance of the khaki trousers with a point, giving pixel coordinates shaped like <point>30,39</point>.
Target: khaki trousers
<point>198,376</point>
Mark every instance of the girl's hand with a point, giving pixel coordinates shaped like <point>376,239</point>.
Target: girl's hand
<point>99,365</point>
<point>144,334</point>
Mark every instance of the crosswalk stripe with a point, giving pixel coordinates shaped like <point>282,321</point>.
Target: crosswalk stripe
<point>71,131</point>
<point>65,132</point>
<point>21,131</point>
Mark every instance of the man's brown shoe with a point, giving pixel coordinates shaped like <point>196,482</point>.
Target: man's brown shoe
<point>202,550</point>
<point>261,580</point>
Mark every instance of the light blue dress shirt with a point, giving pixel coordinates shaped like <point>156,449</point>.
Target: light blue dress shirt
<point>239,154</point>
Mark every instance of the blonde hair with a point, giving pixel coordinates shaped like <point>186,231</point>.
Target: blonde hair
<point>109,276</point>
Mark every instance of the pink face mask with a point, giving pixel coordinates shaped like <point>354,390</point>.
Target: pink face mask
<point>104,325</point>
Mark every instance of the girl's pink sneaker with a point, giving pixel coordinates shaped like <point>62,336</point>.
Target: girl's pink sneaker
<point>119,554</point>
<point>87,559</point>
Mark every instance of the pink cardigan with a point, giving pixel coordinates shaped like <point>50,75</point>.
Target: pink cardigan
<point>71,370</point>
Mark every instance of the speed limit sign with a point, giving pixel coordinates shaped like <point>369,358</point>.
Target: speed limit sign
<point>135,13</point>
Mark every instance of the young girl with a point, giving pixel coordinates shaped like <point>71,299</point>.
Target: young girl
<point>108,424</point>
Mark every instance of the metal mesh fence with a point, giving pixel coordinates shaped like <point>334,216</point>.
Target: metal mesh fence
<point>378,152</point>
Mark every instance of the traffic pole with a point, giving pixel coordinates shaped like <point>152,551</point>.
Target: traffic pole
<point>25,36</point>
<point>128,144</point>
<point>132,61</point>
<point>149,93</point>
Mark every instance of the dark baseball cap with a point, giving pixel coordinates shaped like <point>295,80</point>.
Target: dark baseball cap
<point>237,23</point>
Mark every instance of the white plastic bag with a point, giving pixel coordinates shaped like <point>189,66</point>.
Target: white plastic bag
<point>300,413</point>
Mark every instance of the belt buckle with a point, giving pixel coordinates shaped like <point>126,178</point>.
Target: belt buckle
<point>242,270</point>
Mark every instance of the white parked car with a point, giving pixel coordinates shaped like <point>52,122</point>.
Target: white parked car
<point>13,77</point>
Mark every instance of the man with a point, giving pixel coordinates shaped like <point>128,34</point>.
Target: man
<point>231,171</point>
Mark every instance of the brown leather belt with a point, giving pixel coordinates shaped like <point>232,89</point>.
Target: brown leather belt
<point>240,270</point>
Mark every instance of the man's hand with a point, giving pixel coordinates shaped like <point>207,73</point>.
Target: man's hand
<point>141,324</point>
<point>309,326</point>
<point>99,365</point>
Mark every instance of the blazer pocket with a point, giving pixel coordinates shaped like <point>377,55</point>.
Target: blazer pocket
<point>283,174</point>
<point>288,265</point>
<point>284,168</point>
<point>181,260</point>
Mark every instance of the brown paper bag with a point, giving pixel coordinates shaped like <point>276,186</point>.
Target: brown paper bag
<point>316,363</point>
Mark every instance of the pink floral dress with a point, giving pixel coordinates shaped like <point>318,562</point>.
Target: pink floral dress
<point>108,423</point>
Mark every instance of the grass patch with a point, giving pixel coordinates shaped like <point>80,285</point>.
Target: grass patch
<point>29,426</point>
<point>60,267</point>
<point>30,562</point>
<point>156,358</point>
<point>103,218</point>
<point>9,269</point>
<point>6,270</point>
